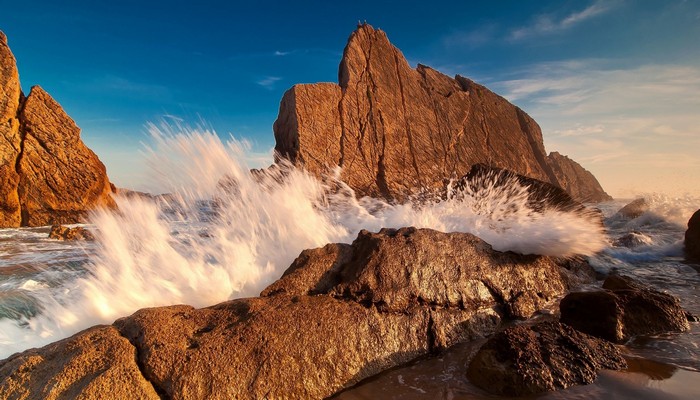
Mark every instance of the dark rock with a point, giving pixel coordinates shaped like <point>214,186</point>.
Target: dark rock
<point>481,179</point>
<point>525,360</point>
<point>47,175</point>
<point>692,238</point>
<point>61,232</point>
<point>398,131</point>
<point>634,209</point>
<point>626,308</point>
<point>339,314</point>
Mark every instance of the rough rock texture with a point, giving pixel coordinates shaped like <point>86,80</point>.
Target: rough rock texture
<point>576,180</point>
<point>524,360</point>
<point>95,364</point>
<point>692,238</point>
<point>340,314</point>
<point>47,174</point>
<point>60,232</point>
<point>396,130</point>
<point>10,140</point>
<point>625,309</point>
<point>633,209</point>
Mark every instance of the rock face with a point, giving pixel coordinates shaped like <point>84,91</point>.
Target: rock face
<point>576,180</point>
<point>10,139</point>
<point>525,360</point>
<point>339,314</point>
<point>692,238</point>
<point>396,130</point>
<point>48,174</point>
<point>625,309</point>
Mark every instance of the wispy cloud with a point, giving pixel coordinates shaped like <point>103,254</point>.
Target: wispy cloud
<point>478,37</point>
<point>269,82</point>
<point>282,53</point>
<point>642,119</point>
<point>128,87</point>
<point>548,24</point>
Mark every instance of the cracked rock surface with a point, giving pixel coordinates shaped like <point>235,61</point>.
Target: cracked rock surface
<point>341,313</point>
<point>47,174</point>
<point>396,130</point>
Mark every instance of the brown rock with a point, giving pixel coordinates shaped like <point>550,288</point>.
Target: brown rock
<point>339,314</point>
<point>576,180</point>
<point>692,238</point>
<point>633,209</point>
<point>47,175</point>
<point>393,269</point>
<point>95,364</point>
<point>60,178</point>
<point>396,130</point>
<point>60,232</point>
<point>10,139</point>
<point>525,360</point>
<point>627,308</point>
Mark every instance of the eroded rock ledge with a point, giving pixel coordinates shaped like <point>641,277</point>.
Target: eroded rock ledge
<point>341,313</point>
<point>396,130</point>
<point>47,174</point>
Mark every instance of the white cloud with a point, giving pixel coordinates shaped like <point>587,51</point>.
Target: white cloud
<point>269,82</point>
<point>635,127</point>
<point>548,24</point>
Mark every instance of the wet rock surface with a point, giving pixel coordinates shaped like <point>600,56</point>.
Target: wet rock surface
<point>60,232</point>
<point>47,174</point>
<point>524,360</point>
<point>396,131</point>
<point>626,308</point>
<point>340,314</point>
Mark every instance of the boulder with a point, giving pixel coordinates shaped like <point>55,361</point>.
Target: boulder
<point>60,232</point>
<point>633,209</point>
<point>339,314</point>
<point>10,139</point>
<point>47,173</point>
<point>626,308</point>
<point>692,238</point>
<point>397,131</point>
<point>525,360</point>
<point>632,239</point>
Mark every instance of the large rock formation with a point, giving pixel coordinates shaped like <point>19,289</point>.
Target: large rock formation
<point>10,139</point>
<point>396,130</point>
<point>339,314</point>
<point>47,174</point>
<point>576,180</point>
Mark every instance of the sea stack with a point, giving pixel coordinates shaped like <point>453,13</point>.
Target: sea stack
<point>397,131</point>
<point>47,174</point>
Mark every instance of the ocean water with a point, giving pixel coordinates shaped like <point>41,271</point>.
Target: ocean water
<point>225,233</point>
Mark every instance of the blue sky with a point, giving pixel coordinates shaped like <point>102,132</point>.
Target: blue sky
<point>615,84</point>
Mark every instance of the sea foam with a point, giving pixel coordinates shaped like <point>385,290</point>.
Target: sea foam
<point>225,233</point>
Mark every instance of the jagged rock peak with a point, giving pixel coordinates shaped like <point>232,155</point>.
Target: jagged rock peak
<point>47,174</point>
<point>396,130</point>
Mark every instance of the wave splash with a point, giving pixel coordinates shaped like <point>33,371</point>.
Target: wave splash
<point>225,233</point>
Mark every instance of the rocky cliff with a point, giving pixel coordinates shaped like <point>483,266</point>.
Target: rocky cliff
<point>47,174</point>
<point>395,130</point>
